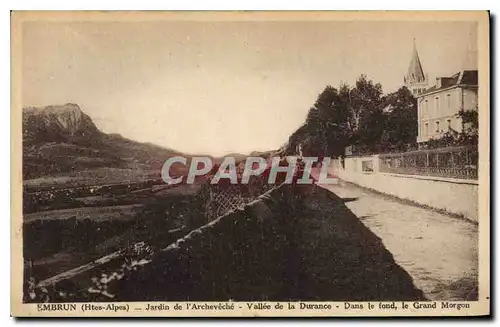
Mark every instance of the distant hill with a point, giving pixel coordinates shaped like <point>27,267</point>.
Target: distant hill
<point>62,145</point>
<point>238,157</point>
<point>62,141</point>
<point>263,154</point>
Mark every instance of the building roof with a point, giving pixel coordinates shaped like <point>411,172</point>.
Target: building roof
<point>464,78</point>
<point>469,77</point>
<point>415,71</point>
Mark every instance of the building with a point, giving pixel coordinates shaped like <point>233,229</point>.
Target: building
<point>439,105</point>
<point>415,80</point>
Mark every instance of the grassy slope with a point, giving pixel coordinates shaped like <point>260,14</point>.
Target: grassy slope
<point>106,160</point>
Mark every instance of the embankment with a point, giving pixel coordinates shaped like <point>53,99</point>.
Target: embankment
<point>292,243</point>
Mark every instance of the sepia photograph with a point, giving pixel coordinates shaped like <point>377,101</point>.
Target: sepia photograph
<point>223,163</point>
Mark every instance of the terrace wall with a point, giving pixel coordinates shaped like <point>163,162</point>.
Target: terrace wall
<point>456,196</point>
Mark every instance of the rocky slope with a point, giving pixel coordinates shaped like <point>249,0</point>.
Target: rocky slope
<point>66,123</point>
<point>63,140</point>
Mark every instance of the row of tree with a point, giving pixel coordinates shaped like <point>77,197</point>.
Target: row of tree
<point>362,117</point>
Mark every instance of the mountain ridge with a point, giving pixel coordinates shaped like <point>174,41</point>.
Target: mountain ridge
<point>61,140</point>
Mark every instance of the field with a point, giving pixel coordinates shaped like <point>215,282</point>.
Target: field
<point>67,225</point>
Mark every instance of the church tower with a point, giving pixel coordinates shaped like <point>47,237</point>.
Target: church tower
<point>415,80</point>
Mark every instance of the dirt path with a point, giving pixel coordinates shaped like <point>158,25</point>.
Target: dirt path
<point>439,252</point>
<point>340,259</point>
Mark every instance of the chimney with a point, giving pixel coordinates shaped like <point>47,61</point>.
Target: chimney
<point>438,82</point>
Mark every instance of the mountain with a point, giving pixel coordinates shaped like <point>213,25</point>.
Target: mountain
<point>65,124</point>
<point>238,157</point>
<point>263,154</point>
<point>62,143</point>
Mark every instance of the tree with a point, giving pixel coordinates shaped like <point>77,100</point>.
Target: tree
<point>365,104</point>
<point>359,116</point>
<point>401,126</point>
<point>470,122</point>
<point>327,124</point>
<point>334,116</point>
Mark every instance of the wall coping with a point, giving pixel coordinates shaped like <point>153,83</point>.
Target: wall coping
<point>428,178</point>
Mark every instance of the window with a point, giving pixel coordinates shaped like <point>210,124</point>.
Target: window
<point>426,129</point>
<point>449,124</point>
<point>448,101</point>
<point>423,112</point>
<point>437,127</point>
<point>436,100</point>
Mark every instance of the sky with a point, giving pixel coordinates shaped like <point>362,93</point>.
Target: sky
<point>222,87</point>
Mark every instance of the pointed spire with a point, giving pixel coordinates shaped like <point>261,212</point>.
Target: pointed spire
<point>415,72</point>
